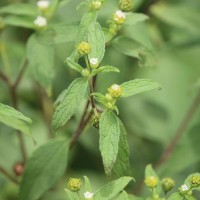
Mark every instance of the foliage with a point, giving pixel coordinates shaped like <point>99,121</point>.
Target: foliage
<point>99,88</point>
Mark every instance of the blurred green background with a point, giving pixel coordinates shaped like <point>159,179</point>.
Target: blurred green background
<point>151,119</point>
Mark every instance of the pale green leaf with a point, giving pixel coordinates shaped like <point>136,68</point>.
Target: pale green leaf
<point>21,21</point>
<point>45,167</point>
<point>74,65</point>
<point>109,139</point>
<point>19,9</point>
<point>122,164</point>
<point>69,103</point>
<point>72,195</point>
<point>97,41</point>
<point>133,18</point>
<point>133,197</point>
<point>137,86</point>
<point>41,61</point>
<point>111,189</point>
<point>176,196</point>
<point>104,69</point>
<point>87,184</point>
<point>14,119</point>
<point>122,196</point>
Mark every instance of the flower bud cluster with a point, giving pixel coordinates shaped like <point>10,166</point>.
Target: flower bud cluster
<point>151,181</point>
<point>83,48</point>
<point>96,4</point>
<point>167,184</point>
<point>195,181</point>
<point>95,120</point>
<point>126,5</point>
<point>88,195</point>
<point>74,184</point>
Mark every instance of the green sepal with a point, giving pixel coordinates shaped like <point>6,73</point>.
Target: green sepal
<point>74,65</point>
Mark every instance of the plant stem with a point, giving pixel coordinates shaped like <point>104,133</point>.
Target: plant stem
<point>181,129</point>
<point>8,175</point>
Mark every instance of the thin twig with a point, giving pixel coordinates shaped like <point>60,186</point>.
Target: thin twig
<point>8,175</point>
<point>5,79</point>
<point>181,129</point>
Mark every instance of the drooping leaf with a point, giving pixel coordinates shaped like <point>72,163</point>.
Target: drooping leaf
<point>19,21</point>
<point>69,103</point>
<point>122,164</point>
<point>111,189</point>
<point>72,195</point>
<point>19,9</point>
<point>133,18</point>
<point>109,139</point>
<point>45,167</point>
<point>104,69</point>
<point>97,41</point>
<point>137,86</point>
<point>14,119</point>
<point>41,61</point>
<point>74,65</point>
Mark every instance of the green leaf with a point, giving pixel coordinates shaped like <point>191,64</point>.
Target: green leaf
<point>122,196</point>
<point>122,164</point>
<point>87,184</point>
<point>104,69</point>
<point>133,48</point>
<point>14,119</point>
<point>99,97</point>
<point>45,167</point>
<point>19,9</point>
<point>133,197</point>
<point>72,195</point>
<point>176,196</point>
<point>149,171</point>
<point>97,41</point>
<point>41,61</point>
<point>133,18</point>
<point>137,86</point>
<point>73,95</point>
<point>74,65</point>
<point>111,189</point>
<point>21,21</point>
<point>109,139</point>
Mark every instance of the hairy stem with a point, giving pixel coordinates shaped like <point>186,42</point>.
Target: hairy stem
<point>181,129</point>
<point>8,175</point>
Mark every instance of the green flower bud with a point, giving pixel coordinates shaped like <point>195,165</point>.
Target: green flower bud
<point>115,91</point>
<point>126,5</point>
<point>108,97</point>
<point>85,73</point>
<point>119,17</point>
<point>167,184</point>
<point>74,184</point>
<point>83,48</point>
<point>151,181</point>
<point>95,120</point>
<point>110,106</point>
<point>94,63</point>
<point>195,181</point>
<point>96,5</point>
<point>184,189</point>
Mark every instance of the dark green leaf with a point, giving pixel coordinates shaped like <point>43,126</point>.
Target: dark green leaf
<point>14,119</point>
<point>111,189</point>
<point>109,139</point>
<point>69,103</point>
<point>137,86</point>
<point>45,167</point>
<point>41,61</point>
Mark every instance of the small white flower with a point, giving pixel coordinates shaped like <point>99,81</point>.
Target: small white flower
<point>94,61</point>
<point>43,4</point>
<point>115,87</point>
<point>184,187</point>
<point>120,15</point>
<point>88,195</point>
<point>40,21</point>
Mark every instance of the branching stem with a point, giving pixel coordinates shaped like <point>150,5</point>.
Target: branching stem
<point>8,175</point>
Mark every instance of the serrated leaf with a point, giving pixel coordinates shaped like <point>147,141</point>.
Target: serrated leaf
<point>122,196</point>
<point>137,86</point>
<point>111,189</point>
<point>19,21</point>
<point>74,65</point>
<point>45,167</point>
<point>122,164</point>
<point>14,119</point>
<point>129,47</point>
<point>41,61</point>
<point>133,18</point>
<point>69,103</point>
<point>72,195</point>
<point>97,41</point>
<point>109,139</point>
<point>176,196</point>
<point>19,9</point>
<point>87,184</point>
<point>104,69</point>
<point>149,171</point>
